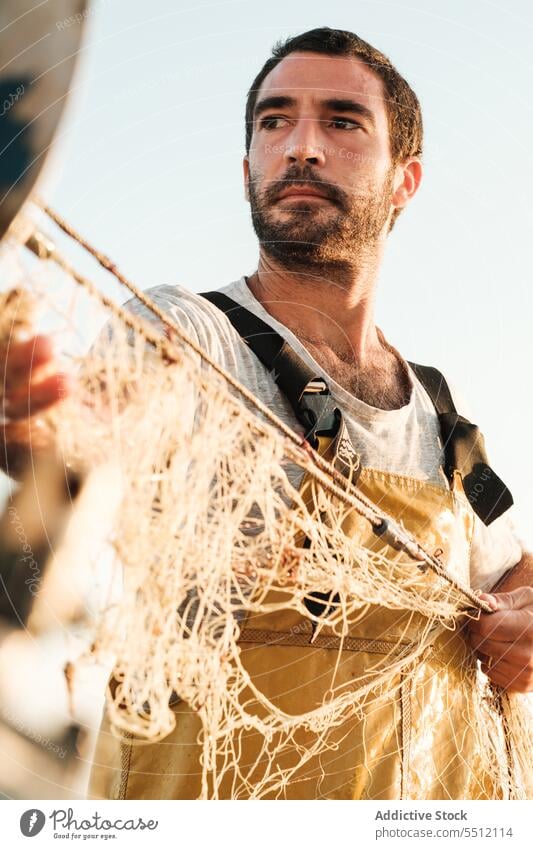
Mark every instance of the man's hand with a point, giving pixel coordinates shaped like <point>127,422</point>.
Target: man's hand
<point>504,639</point>
<point>29,384</point>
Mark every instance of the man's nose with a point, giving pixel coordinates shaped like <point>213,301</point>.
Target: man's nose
<point>304,145</point>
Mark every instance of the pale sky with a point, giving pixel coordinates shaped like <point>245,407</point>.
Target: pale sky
<point>149,167</point>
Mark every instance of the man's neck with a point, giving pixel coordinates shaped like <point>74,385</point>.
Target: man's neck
<point>333,311</point>
<point>333,317</point>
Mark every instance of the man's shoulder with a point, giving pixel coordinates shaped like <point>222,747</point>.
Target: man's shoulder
<point>188,309</point>
<point>174,299</point>
<point>195,315</point>
<point>436,386</point>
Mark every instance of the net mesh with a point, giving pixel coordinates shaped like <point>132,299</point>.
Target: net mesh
<point>210,532</point>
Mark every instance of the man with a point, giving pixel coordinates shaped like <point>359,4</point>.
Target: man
<point>333,147</point>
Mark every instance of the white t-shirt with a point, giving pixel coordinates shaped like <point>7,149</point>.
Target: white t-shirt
<point>405,441</point>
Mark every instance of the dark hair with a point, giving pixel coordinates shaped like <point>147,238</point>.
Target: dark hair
<point>403,108</point>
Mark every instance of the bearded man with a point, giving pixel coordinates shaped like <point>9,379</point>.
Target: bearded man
<point>333,155</point>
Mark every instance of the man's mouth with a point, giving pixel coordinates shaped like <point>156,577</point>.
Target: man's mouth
<point>302,191</point>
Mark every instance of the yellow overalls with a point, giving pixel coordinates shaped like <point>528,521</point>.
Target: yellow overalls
<point>432,731</point>
<point>420,743</point>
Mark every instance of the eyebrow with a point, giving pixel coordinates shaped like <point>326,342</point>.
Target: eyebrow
<point>348,105</point>
<point>334,104</point>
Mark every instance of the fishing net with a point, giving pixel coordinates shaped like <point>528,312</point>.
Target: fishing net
<point>210,532</point>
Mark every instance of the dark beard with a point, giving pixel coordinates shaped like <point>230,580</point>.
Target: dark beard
<point>307,239</point>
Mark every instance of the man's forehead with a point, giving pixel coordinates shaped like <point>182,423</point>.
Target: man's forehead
<point>301,74</point>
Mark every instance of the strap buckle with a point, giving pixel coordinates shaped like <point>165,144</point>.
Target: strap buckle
<point>318,412</point>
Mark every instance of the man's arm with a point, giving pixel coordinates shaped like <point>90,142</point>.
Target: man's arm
<point>504,639</point>
<point>519,576</point>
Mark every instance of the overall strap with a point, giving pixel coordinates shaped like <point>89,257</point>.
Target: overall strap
<point>307,392</point>
<point>464,450</point>
<point>308,395</point>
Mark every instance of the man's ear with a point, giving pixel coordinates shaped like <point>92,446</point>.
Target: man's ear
<point>407,180</point>
<point>246,174</point>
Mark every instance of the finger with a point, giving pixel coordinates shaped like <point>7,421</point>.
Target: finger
<point>504,626</point>
<point>25,432</point>
<point>20,442</point>
<point>39,397</point>
<point>514,600</point>
<point>516,654</point>
<point>20,359</point>
<point>495,648</point>
<point>508,676</point>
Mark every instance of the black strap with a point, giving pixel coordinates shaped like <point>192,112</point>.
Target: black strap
<point>463,443</point>
<point>307,392</point>
<point>464,450</point>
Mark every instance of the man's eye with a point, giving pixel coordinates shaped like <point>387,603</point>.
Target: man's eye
<point>272,122</point>
<point>345,124</point>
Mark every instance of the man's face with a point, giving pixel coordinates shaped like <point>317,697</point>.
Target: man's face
<point>319,174</point>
